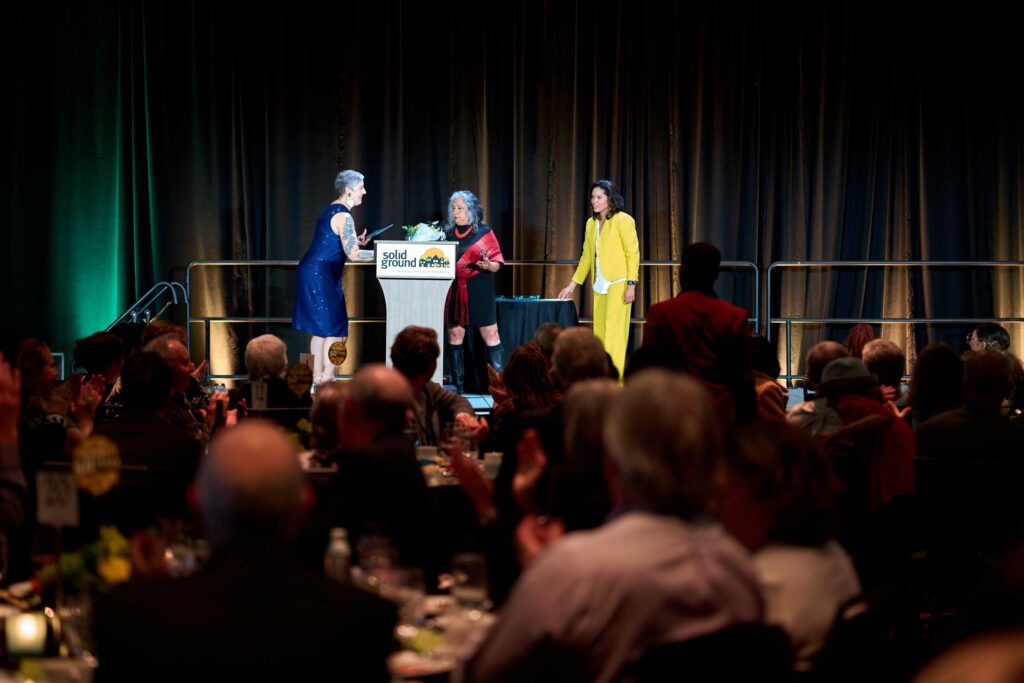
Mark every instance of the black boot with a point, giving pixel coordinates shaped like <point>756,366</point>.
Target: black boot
<point>496,357</point>
<point>458,358</point>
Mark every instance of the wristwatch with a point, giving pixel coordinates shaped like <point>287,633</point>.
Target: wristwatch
<point>631,282</point>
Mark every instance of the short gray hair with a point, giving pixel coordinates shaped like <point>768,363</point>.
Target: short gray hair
<point>346,179</point>
<point>663,437</point>
<point>266,356</point>
<point>585,407</point>
<point>578,355</point>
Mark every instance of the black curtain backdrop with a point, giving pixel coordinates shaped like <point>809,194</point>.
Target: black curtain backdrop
<point>145,135</point>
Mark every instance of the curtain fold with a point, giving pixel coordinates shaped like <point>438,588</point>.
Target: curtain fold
<point>145,135</point>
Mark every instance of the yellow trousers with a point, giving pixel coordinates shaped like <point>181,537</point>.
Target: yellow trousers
<point>611,323</point>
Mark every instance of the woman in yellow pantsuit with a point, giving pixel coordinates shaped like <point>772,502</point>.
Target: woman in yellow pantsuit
<point>611,256</point>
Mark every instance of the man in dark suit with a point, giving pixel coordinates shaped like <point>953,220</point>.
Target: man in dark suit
<point>253,613</point>
<point>379,491</point>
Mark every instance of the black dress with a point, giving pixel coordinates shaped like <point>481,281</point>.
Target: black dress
<point>480,287</point>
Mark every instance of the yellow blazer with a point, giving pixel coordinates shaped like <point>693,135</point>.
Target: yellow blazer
<point>620,250</point>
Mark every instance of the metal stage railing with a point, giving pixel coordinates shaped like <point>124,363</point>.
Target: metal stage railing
<point>208,321</point>
<point>141,307</point>
<point>790,321</point>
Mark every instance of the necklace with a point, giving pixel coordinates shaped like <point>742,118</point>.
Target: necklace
<point>460,235</point>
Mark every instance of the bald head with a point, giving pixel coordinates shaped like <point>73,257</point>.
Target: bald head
<point>819,356</point>
<point>377,403</point>
<point>249,484</point>
<point>176,355</point>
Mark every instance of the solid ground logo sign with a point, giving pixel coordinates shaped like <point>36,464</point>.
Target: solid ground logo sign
<point>434,258</point>
<point>424,260</point>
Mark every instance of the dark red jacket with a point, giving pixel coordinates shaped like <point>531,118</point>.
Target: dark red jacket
<point>710,340</point>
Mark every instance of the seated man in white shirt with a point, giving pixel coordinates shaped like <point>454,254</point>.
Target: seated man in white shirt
<point>656,573</point>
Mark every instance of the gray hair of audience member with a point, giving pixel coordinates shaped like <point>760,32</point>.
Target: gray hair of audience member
<point>545,337</point>
<point>885,360</point>
<point>346,179</point>
<point>325,415</point>
<point>266,356</point>
<point>250,485</point>
<point>988,379</point>
<point>578,355</point>
<point>585,407</point>
<point>662,436</point>
<point>820,355</point>
<point>473,205</point>
<point>415,351</point>
<point>382,395</point>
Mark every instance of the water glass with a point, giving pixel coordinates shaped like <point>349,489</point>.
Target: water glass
<point>469,572</point>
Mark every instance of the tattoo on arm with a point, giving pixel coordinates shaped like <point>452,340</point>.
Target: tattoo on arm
<point>350,243</point>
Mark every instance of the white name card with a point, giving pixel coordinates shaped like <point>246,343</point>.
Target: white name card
<point>56,499</point>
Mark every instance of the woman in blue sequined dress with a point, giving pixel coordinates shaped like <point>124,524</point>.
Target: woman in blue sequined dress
<point>319,299</point>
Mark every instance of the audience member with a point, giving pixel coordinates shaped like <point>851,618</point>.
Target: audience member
<point>887,362</point>
<point>710,337</point>
<point>325,416</point>
<point>266,361</point>
<point>815,415</point>
<point>994,337</point>
<point>54,418</point>
<point>379,490</point>
<point>859,336</point>
<point>414,353</point>
<point>884,449</point>
<point>527,385</point>
<point>253,613</point>
<point>976,431</point>
<point>937,383</point>
<point>579,496</point>
<point>160,459</point>
<point>101,354</point>
<point>578,354</point>
<point>654,574</point>
<point>15,511</point>
<point>772,397</point>
<point>545,337</point>
<point>781,502</point>
<point>182,411</point>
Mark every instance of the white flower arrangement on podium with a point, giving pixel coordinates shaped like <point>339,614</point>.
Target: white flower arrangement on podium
<point>424,232</point>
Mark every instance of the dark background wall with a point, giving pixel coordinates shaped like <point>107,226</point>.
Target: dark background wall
<point>144,135</point>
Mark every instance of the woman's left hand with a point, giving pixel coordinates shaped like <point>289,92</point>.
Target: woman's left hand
<point>484,265</point>
<point>630,294</point>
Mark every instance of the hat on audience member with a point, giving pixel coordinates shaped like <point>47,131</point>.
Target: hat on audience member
<point>845,373</point>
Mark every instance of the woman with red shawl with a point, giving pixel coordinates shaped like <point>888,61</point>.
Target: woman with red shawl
<point>471,299</point>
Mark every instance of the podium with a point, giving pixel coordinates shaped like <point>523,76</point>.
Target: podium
<point>415,278</point>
